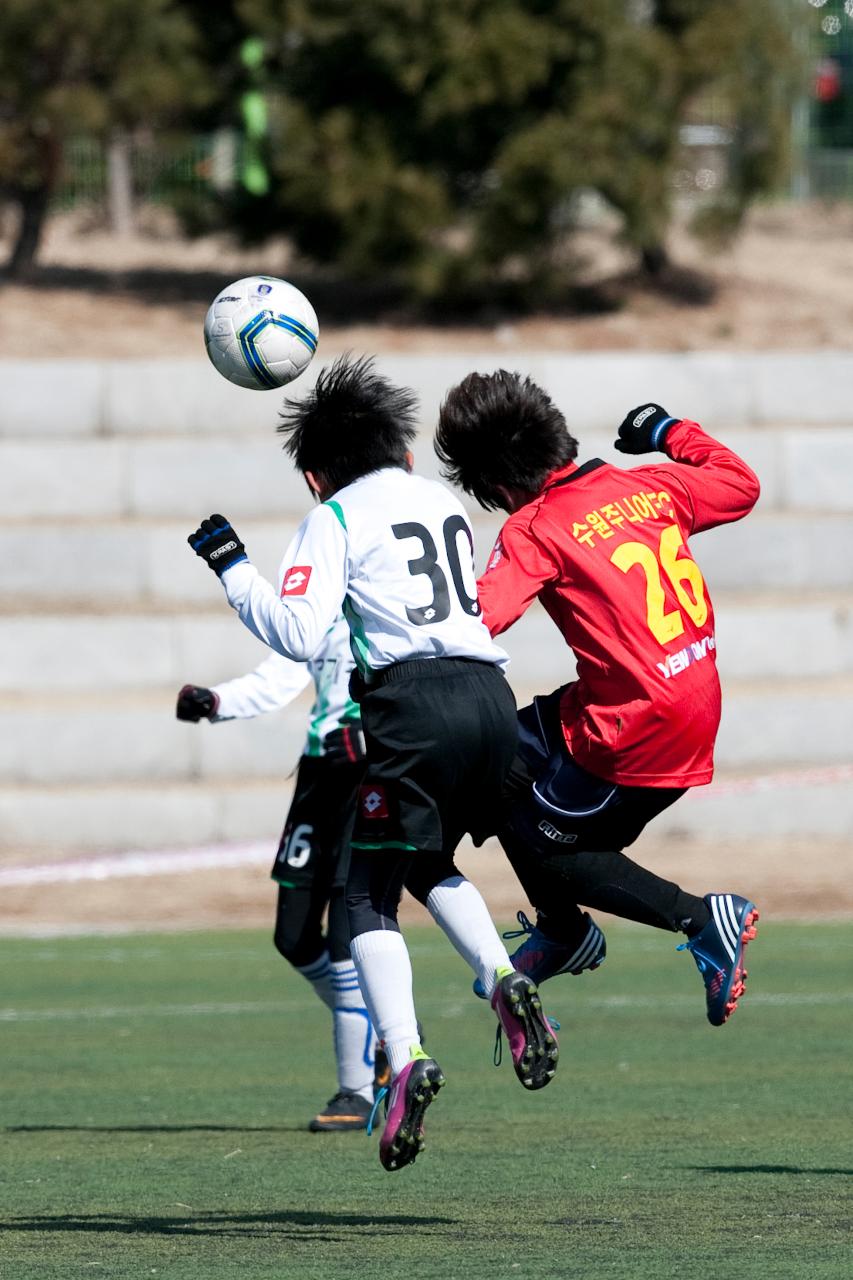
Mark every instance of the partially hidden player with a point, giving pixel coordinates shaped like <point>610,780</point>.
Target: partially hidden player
<point>311,864</point>
<point>605,550</point>
<point>394,551</point>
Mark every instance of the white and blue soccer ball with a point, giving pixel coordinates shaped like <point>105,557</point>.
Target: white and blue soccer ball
<point>261,332</point>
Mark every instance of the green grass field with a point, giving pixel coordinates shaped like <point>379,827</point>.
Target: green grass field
<point>155,1091</point>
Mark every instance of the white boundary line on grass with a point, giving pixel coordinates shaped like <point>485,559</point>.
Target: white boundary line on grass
<point>142,862</point>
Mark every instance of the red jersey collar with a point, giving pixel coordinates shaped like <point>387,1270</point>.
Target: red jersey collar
<point>571,471</point>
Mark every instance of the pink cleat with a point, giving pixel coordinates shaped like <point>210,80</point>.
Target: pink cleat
<point>411,1093</point>
<point>532,1042</point>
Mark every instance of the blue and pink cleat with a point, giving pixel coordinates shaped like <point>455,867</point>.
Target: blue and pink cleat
<point>718,952</point>
<point>541,957</point>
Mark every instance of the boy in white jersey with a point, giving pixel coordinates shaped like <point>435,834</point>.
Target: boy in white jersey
<point>313,855</point>
<point>395,552</point>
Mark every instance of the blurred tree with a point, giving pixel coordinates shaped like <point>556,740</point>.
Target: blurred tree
<point>445,142</point>
<point>91,66</point>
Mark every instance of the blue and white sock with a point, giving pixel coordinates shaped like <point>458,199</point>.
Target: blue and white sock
<point>355,1041</point>
<point>319,974</point>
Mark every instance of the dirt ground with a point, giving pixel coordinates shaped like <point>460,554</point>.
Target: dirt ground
<point>786,283</point>
<point>787,879</point>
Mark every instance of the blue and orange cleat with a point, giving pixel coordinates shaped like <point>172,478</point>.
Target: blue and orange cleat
<point>532,1042</point>
<point>541,957</point>
<point>718,952</point>
<point>411,1093</point>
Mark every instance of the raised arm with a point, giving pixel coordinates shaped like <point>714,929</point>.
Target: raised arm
<point>714,486</point>
<point>313,577</point>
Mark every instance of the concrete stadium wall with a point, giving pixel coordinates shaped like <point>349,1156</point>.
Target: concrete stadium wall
<point>106,466</point>
<point>76,398</point>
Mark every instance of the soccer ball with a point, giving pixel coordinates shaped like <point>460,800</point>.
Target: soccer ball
<point>260,332</point>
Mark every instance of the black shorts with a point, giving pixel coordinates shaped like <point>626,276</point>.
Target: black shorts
<point>315,842</point>
<point>441,734</point>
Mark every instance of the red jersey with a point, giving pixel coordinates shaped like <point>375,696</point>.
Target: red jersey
<point>605,550</point>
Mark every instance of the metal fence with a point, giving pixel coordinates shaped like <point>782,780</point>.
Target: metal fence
<point>160,168</point>
<point>163,168</point>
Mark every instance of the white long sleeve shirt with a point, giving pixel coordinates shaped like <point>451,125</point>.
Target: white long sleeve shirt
<point>393,551</point>
<point>278,680</point>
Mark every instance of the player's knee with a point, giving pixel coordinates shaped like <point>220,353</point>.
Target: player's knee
<point>426,871</point>
<point>296,942</point>
<point>373,891</point>
<point>366,915</point>
<point>337,932</point>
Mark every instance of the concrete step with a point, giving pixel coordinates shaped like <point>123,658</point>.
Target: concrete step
<point>792,805</point>
<point>84,740</point>
<point>79,739</point>
<point>79,398</point>
<point>736,808</point>
<point>246,474</point>
<point>757,639</point>
<point>141,817</point>
<point>146,563</point>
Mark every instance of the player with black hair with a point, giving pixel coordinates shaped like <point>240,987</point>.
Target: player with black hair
<point>605,551</point>
<point>353,422</point>
<point>394,551</point>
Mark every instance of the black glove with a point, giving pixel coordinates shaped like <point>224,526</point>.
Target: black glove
<point>195,703</point>
<point>344,745</point>
<point>217,543</point>
<point>644,429</point>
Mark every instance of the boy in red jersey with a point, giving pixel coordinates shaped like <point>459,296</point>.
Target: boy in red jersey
<point>605,551</point>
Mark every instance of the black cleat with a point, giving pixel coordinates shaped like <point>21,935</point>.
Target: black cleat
<point>344,1111</point>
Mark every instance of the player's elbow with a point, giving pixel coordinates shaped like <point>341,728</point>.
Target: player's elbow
<point>751,488</point>
<point>299,638</point>
<point>493,621</point>
<point>291,643</point>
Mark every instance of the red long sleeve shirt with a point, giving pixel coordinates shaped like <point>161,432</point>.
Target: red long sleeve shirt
<point>605,550</point>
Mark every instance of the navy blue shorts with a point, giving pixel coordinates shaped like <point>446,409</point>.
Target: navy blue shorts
<point>555,805</point>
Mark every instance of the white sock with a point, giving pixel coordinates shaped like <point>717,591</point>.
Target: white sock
<point>385,976</point>
<point>355,1041</point>
<point>319,974</point>
<point>457,906</point>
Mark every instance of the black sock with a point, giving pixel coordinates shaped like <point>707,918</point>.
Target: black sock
<point>609,881</point>
<point>568,925</point>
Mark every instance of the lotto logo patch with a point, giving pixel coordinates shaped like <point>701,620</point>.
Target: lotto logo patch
<point>296,580</point>
<point>372,801</point>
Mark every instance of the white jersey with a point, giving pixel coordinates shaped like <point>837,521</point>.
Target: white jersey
<point>394,552</point>
<point>278,680</point>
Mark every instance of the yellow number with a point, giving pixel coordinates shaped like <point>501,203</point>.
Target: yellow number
<point>679,570</point>
<point>663,626</point>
